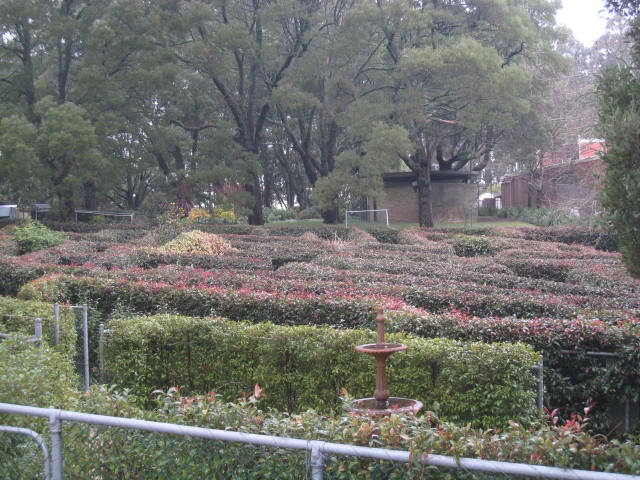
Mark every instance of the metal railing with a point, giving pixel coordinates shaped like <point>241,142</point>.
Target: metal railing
<point>318,449</point>
<point>36,438</point>
<point>37,332</point>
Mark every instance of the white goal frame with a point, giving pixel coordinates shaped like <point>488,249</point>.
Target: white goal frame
<point>346,215</point>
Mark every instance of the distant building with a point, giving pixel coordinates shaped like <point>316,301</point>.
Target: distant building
<point>567,180</point>
<point>454,195</point>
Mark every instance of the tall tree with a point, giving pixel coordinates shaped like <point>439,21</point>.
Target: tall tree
<point>460,84</point>
<point>619,90</point>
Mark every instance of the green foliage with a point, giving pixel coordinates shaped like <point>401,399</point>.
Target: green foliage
<point>34,236</point>
<point>306,367</point>
<point>543,217</point>
<point>543,269</point>
<point>36,375</point>
<point>384,234</point>
<point>619,119</point>
<point>14,274</point>
<point>280,214</point>
<point>115,453</point>
<point>16,316</point>
<point>468,246</point>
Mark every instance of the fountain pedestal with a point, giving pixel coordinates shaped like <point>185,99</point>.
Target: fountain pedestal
<point>382,404</point>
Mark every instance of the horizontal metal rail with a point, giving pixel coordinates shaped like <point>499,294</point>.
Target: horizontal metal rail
<point>38,439</point>
<point>317,448</point>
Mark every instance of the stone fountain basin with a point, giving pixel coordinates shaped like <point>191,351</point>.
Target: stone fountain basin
<point>381,349</point>
<point>367,406</point>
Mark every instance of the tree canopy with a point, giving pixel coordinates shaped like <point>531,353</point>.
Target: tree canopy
<point>131,103</point>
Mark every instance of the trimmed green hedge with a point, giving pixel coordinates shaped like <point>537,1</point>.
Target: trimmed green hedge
<point>17,316</point>
<point>15,273</point>
<point>108,296</point>
<point>306,367</point>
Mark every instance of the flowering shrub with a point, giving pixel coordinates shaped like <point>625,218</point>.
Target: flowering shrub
<point>197,242</point>
<point>226,215</point>
<point>198,215</point>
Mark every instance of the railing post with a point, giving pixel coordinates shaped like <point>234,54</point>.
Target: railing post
<point>541,383</point>
<point>85,343</point>
<point>56,315</point>
<point>37,329</point>
<point>101,350</point>
<point>627,414</point>
<point>316,460</point>
<point>85,331</point>
<point>55,428</point>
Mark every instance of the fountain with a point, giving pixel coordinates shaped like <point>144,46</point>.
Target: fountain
<point>382,404</point>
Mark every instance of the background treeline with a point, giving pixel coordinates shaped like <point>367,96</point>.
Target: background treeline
<point>132,104</point>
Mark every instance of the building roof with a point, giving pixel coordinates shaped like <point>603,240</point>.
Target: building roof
<point>436,176</point>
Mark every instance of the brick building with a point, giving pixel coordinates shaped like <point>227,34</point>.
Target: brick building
<point>453,196</point>
<point>568,180</point>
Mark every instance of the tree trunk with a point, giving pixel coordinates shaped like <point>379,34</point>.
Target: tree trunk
<point>425,213</point>
<point>256,217</point>
<point>267,194</point>
<point>90,202</point>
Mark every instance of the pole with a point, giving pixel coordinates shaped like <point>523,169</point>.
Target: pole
<point>316,460</point>
<point>55,427</point>
<point>56,315</point>
<point>37,328</point>
<point>85,332</point>
<point>541,383</point>
<point>100,349</point>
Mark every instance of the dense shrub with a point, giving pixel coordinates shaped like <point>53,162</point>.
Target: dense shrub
<point>15,273</point>
<point>33,236</point>
<point>467,246</point>
<point>17,316</point>
<point>384,234</point>
<point>114,453</point>
<point>306,367</point>
<point>556,271</point>
<point>197,242</point>
<point>35,375</point>
<point>310,213</point>
<point>593,237</point>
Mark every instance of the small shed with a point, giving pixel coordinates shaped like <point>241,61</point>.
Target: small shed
<point>39,209</point>
<point>9,211</point>
<point>454,196</point>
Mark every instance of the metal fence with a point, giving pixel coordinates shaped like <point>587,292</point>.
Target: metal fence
<point>317,451</point>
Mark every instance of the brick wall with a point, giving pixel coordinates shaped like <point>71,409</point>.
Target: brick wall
<point>451,201</point>
<point>571,186</point>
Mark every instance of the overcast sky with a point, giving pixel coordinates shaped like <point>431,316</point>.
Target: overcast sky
<point>587,19</point>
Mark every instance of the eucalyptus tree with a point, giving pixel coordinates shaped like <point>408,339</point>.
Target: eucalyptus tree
<point>41,43</point>
<point>456,84</point>
<point>244,49</point>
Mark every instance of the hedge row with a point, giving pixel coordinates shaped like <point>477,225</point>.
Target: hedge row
<point>17,317</point>
<point>306,367</point>
<point>327,307</point>
<point>570,380</point>
<point>14,274</point>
